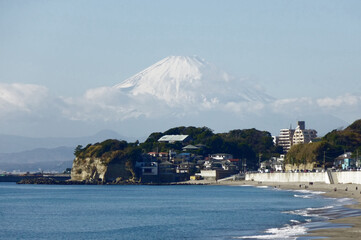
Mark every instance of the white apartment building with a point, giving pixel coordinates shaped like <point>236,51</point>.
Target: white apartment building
<point>285,139</point>
<point>303,135</point>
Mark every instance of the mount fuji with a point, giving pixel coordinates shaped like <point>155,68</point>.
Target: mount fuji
<point>180,91</point>
<point>179,80</point>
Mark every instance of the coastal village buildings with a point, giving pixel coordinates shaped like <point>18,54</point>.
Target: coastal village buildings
<point>188,163</point>
<point>181,165</point>
<point>177,166</point>
<point>275,164</point>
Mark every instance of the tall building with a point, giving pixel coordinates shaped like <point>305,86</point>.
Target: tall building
<point>285,139</point>
<point>303,135</point>
<point>290,137</point>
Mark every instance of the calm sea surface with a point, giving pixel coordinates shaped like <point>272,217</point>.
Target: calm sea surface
<point>152,212</point>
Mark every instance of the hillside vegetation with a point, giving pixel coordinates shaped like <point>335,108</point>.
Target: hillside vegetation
<point>328,148</point>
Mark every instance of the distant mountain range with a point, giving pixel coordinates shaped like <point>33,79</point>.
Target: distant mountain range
<point>48,160</point>
<point>13,144</point>
<point>49,154</point>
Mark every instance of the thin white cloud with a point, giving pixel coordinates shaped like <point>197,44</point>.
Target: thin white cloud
<point>339,101</point>
<point>19,97</point>
<point>292,105</point>
<point>346,106</point>
<point>101,104</point>
<point>109,105</point>
<point>244,107</point>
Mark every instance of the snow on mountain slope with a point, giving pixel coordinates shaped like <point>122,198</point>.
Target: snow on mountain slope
<point>181,80</point>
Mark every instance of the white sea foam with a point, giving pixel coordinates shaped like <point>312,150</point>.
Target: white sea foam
<point>295,221</point>
<point>320,208</point>
<point>309,192</point>
<point>345,201</point>
<point>286,232</point>
<point>300,212</point>
<point>295,228</point>
<point>342,201</point>
<point>302,196</point>
<point>308,212</point>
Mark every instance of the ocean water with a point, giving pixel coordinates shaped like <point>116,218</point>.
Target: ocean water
<point>157,212</point>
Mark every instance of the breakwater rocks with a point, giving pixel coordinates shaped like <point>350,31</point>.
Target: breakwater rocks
<point>51,181</point>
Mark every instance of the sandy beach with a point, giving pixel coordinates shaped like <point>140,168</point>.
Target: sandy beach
<point>331,190</point>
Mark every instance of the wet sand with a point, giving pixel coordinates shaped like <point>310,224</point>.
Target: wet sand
<point>331,190</point>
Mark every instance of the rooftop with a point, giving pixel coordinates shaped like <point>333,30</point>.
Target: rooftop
<point>172,138</point>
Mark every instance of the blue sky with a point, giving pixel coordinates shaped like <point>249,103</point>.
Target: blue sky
<point>289,48</point>
<point>69,46</point>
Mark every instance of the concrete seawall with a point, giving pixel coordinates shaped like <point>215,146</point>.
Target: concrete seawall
<point>323,177</point>
<point>348,177</point>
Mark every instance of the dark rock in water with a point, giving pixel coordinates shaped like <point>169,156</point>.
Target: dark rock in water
<point>52,181</point>
<point>40,180</point>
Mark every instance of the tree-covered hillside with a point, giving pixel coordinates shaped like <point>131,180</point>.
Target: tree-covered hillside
<point>349,138</point>
<point>111,152</point>
<point>329,147</point>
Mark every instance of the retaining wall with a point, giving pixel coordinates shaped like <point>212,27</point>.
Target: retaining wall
<point>288,177</point>
<point>338,177</point>
<point>348,177</point>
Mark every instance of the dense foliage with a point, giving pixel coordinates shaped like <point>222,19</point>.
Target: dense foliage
<point>319,152</point>
<point>331,145</point>
<point>111,151</point>
<point>349,138</point>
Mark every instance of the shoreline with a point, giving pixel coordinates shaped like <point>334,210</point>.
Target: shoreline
<point>347,227</point>
<point>343,227</point>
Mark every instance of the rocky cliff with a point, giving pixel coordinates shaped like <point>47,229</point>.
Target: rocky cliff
<point>109,161</point>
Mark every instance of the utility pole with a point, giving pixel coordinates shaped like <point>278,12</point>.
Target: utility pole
<point>324,160</point>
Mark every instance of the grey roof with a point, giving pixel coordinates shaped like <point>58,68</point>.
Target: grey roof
<point>190,147</point>
<point>172,138</point>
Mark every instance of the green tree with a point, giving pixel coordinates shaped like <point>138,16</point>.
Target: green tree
<point>78,150</point>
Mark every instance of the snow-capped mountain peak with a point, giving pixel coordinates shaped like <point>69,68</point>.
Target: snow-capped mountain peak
<point>180,80</point>
<point>173,68</point>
